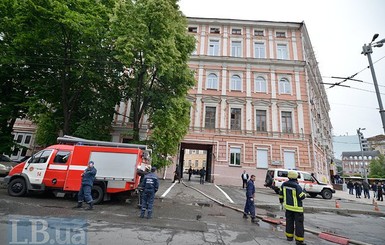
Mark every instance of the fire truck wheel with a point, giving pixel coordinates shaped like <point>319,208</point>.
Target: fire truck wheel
<point>326,194</point>
<point>17,187</point>
<point>97,194</point>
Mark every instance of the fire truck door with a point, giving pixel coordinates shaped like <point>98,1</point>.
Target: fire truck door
<point>36,166</point>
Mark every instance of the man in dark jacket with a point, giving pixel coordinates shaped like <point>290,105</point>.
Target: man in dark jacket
<point>202,174</point>
<point>88,177</point>
<point>140,189</point>
<point>291,196</point>
<point>245,178</point>
<point>249,205</point>
<point>366,187</point>
<point>150,185</point>
<point>190,172</point>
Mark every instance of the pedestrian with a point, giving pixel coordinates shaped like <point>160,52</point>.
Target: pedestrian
<point>202,176</point>
<point>249,205</point>
<point>366,187</point>
<point>358,189</point>
<point>374,189</point>
<point>176,174</point>
<point>190,171</point>
<point>142,174</point>
<point>291,196</point>
<point>150,186</point>
<point>379,192</point>
<point>350,187</point>
<point>245,178</point>
<point>88,177</point>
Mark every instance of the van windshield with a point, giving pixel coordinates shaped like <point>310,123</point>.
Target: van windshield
<point>282,174</point>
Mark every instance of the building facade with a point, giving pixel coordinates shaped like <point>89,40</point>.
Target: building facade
<point>354,163</point>
<point>377,143</point>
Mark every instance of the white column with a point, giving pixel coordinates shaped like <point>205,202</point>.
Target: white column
<point>203,38</point>
<point>200,79</point>
<point>248,81</point>
<point>294,42</point>
<point>297,85</point>
<point>224,80</point>
<point>224,41</point>
<point>198,112</point>
<point>274,116</point>
<point>301,122</point>
<point>248,114</point>
<point>273,85</point>
<point>271,44</point>
<point>223,113</point>
<point>248,42</point>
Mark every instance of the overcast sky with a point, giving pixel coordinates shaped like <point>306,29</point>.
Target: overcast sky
<point>338,29</point>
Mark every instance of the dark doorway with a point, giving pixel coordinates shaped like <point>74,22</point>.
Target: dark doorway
<point>197,156</point>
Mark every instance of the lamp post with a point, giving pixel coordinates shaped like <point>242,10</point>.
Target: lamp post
<point>367,50</point>
<point>360,137</point>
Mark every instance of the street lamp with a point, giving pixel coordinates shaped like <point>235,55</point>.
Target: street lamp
<point>360,137</point>
<point>367,50</point>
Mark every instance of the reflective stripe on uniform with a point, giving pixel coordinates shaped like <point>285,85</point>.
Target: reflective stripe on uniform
<point>300,239</point>
<point>289,234</point>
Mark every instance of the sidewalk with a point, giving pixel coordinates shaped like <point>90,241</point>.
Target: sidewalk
<point>347,196</point>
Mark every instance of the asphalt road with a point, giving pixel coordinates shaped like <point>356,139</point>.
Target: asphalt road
<point>184,216</point>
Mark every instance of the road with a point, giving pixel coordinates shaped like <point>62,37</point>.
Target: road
<point>185,216</point>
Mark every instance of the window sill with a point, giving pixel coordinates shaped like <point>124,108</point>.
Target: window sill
<point>235,166</point>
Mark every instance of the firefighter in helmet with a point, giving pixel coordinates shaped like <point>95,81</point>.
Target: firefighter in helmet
<point>150,186</point>
<point>291,196</point>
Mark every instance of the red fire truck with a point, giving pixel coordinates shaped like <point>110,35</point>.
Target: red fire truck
<point>59,168</point>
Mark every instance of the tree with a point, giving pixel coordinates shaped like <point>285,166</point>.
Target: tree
<point>149,37</point>
<point>377,167</point>
<point>68,65</point>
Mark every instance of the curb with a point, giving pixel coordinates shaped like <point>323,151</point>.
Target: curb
<point>334,238</point>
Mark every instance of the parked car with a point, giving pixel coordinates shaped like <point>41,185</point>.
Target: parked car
<point>6,164</point>
<point>275,178</point>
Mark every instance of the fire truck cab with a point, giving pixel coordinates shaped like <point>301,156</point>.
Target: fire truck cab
<point>59,168</point>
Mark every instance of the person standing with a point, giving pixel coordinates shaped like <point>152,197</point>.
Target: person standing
<point>366,187</point>
<point>291,196</point>
<point>379,192</point>
<point>245,178</point>
<point>88,177</point>
<point>249,205</point>
<point>358,189</point>
<point>190,171</point>
<point>150,186</point>
<point>350,187</point>
<point>202,176</point>
<point>374,189</point>
<point>142,174</point>
<point>176,174</point>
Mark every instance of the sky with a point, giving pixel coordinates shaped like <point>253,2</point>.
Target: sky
<point>338,29</point>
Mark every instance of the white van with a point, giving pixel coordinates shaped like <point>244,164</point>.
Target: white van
<point>275,177</point>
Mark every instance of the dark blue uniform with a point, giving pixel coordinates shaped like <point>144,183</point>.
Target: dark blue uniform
<point>85,189</point>
<point>150,186</point>
<point>250,206</point>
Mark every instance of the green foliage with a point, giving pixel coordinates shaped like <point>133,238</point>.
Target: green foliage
<point>149,37</point>
<point>377,167</point>
<point>47,130</point>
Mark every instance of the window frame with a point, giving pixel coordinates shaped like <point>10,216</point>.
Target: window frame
<point>237,125</point>
<point>215,30</point>
<point>236,51</point>
<point>282,53</point>
<point>258,31</point>
<point>261,52</point>
<point>280,34</point>
<point>210,81</point>
<point>233,83</point>
<point>285,123</point>
<point>214,50</point>
<point>284,86</point>
<point>258,86</point>
<point>215,115</point>
<point>192,29</point>
<point>235,160</point>
<point>266,165</point>
<point>236,31</point>
<point>264,127</point>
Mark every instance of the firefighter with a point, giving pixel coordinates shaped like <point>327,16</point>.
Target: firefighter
<point>150,186</point>
<point>291,196</point>
<point>140,189</point>
<point>88,177</point>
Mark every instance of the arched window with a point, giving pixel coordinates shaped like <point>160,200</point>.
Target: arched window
<point>212,81</point>
<point>260,84</point>
<point>236,83</point>
<point>284,86</point>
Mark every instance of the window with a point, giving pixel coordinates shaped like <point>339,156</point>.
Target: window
<point>284,86</point>
<point>193,29</point>
<point>235,116</point>
<point>196,163</point>
<point>214,47</point>
<point>258,33</point>
<point>41,157</point>
<point>214,30</point>
<point>235,156</point>
<point>287,124</point>
<point>260,85</point>
<point>204,163</point>
<point>236,83</point>
<point>280,34</point>
<point>189,162</point>
<point>259,50</point>
<point>210,117</point>
<point>19,138</point>
<point>307,177</point>
<point>212,81</point>
<point>61,157</point>
<point>15,151</point>
<point>236,31</point>
<point>236,48</point>
<point>289,159</point>
<point>282,52</point>
<point>260,120</point>
<point>23,152</point>
<point>27,139</point>
<point>262,158</point>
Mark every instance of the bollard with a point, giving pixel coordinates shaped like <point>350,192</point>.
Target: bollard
<point>376,206</point>
<point>337,204</point>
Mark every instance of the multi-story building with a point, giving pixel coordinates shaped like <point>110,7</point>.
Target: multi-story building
<point>356,162</point>
<point>377,143</point>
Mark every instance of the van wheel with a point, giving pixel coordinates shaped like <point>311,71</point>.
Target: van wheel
<point>326,194</point>
<point>17,187</point>
<point>97,193</point>
<point>313,195</point>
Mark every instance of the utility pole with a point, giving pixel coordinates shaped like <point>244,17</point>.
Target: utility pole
<point>360,137</point>
<point>367,50</point>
